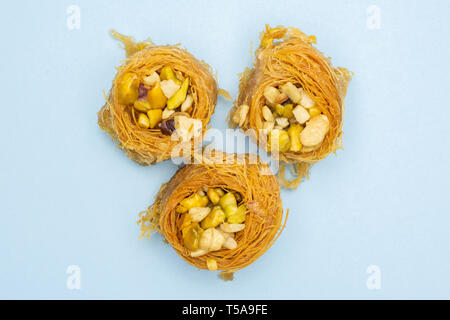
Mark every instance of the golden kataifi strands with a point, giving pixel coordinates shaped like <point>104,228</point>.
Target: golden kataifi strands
<point>294,59</point>
<point>145,146</point>
<point>249,177</point>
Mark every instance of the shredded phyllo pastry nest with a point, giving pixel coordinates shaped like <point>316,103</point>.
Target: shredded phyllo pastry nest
<point>148,145</point>
<point>248,177</point>
<point>285,61</point>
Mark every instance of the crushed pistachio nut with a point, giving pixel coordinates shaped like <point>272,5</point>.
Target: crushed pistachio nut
<point>154,116</point>
<point>314,111</point>
<point>142,105</point>
<point>194,200</point>
<point>192,234</point>
<point>179,96</point>
<point>216,217</point>
<point>278,139</point>
<point>213,196</point>
<point>128,88</point>
<point>294,134</point>
<point>237,216</point>
<point>285,110</point>
<point>168,74</point>
<point>156,97</point>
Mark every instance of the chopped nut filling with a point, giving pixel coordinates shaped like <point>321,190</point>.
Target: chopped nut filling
<point>156,98</point>
<point>291,119</point>
<point>209,220</point>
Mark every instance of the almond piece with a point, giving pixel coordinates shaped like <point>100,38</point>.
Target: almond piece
<point>307,101</point>
<point>187,103</point>
<point>151,79</point>
<point>267,114</point>
<point>301,114</point>
<point>292,92</point>
<point>169,87</point>
<point>271,94</point>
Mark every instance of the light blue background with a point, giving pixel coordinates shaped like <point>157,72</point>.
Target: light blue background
<point>69,196</point>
